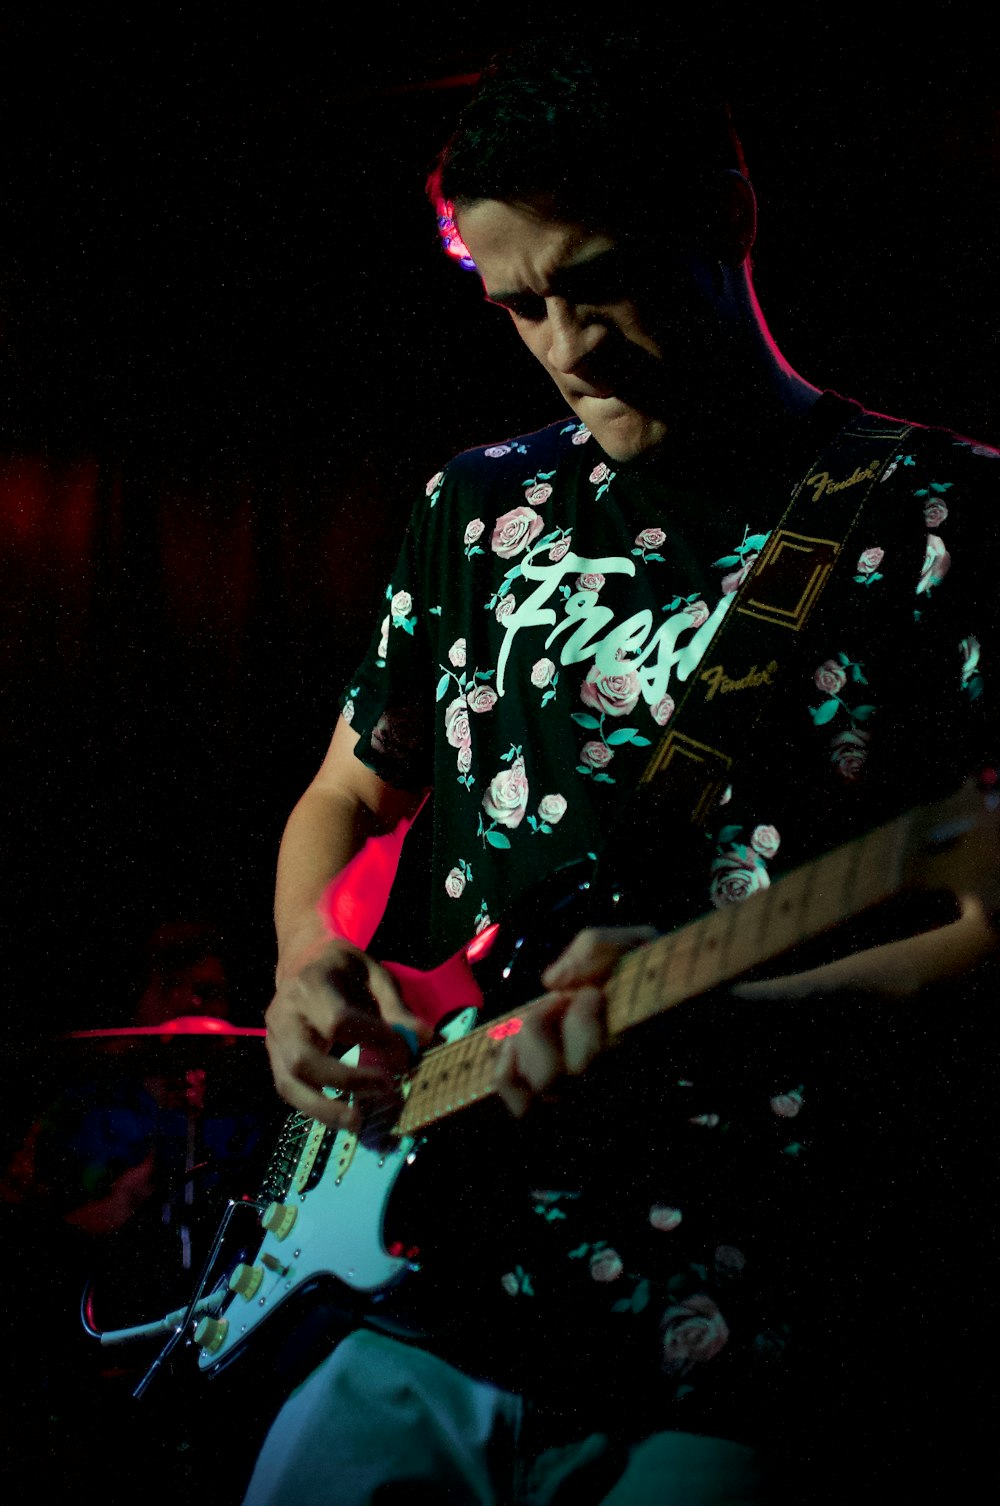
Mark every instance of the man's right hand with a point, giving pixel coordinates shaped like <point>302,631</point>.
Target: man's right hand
<point>339,999</point>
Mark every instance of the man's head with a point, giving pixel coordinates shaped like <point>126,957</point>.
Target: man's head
<point>601,193</point>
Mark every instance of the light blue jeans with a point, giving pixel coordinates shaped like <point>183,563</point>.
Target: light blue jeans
<point>379,1422</point>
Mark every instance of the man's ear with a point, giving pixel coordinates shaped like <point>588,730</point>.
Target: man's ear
<point>734,218</point>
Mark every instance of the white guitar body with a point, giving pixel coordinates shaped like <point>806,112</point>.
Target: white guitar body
<point>330,1223</point>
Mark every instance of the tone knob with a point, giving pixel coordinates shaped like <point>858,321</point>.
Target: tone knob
<point>210,1335</point>
<point>279,1219</point>
<point>246,1280</point>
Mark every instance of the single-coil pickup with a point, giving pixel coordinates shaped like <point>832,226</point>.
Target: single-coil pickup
<point>321,1143</point>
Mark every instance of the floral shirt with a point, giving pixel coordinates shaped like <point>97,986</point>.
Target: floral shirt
<point>548,606</point>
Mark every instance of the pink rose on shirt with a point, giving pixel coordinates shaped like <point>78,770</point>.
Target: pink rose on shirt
<point>456,723</point>
<point>474,530</point>
<point>735,878</point>
<point>732,582</point>
<point>514,531</point>
<point>616,695</point>
<point>536,495</point>
<point>596,755</point>
<point>506,800</point>
<point>651,538</point>
<point>435,482</point>
<point>662,711</point>
<point>456,653</point>
<point>506,607</point>
<point>830,678</point>
<point>541,673</point>
<point>591,580</point>
<point>560,548</point>
<point>765,840</point>
<point>935,514</point>
<point>454,884</point>
<point>552,808</point>
<point>481,698</point>
<point>850,750</point>
<point>598,473</point>
<point>693,1331</point>
<point>870,560</point>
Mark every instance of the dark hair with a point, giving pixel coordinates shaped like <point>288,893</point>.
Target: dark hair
<point>616,128</point>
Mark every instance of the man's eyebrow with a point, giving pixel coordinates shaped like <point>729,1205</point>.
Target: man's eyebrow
<point>571,281</point>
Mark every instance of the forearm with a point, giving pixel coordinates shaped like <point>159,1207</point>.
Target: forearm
<point>324,832</point>
<point>898,970</point>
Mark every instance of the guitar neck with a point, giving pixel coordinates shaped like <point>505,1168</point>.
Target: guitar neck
<point>717,948</point>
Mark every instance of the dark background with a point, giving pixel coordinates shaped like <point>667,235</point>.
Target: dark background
<point>231,351</point>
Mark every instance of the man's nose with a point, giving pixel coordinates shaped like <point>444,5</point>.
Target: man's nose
<point>573,336</point>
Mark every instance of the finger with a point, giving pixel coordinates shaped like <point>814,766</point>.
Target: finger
<point>584,1029</point>
<point>511,1088</point>
<point>593,954</point>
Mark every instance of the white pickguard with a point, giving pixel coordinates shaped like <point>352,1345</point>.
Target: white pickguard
<point>338,1228</point>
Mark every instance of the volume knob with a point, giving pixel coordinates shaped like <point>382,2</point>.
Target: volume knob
<point>246,1280</point>
<point>210,1335</point>
<point>279,1218</point>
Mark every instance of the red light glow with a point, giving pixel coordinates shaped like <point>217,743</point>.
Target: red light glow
<point>503,1028</point>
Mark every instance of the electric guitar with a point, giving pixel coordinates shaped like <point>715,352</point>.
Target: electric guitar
<point>321,1219</point>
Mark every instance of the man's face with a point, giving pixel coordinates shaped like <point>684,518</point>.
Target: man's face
<point>577,303</point>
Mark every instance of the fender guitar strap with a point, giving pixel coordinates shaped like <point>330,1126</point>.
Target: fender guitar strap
<point>760,637</point>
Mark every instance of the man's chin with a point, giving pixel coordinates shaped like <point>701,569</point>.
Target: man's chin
<point>622,432</point>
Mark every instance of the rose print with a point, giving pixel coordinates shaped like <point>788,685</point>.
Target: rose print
<point>765,840</point>
<point>401,604</point>
<point>559,549</point>
<point>867,566</point>
<point>605,1265</point>
<point>596,755</point>
<point>506,607</point>
<point>651,538</point>
<point>849,752</point>
<point>648,543</point>
<point>456,653</point>
<point>830,678</point>
<point>590,580</point>
<point>581,436</point>
<point>935,513</point>
<point>538,494</point>
<point>541,673</point>
<point>506,800</point>
<point>693,1331</point>
<point>348,712</point>
<point>662,711</point>
<point>598,473</point>
<point>735,878</point>
<point>454,884</point>
<point>496,450</point>
<point>464,761</point>
<point>552,808</point>
<point>481,698</point>
<point>731,583</point>
<point>383,642</point>
<point>787,1105</point>
<point>698,613</point>
<point>456,723</point>
<point>474,530</point>
<point>514,531</point>
<point>615,695</point>
<point>665,1218</point>
<point>434,483</point>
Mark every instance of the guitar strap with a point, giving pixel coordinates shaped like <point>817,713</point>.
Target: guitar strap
<point>760,638</point>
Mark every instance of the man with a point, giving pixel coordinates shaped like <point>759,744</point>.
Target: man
<point>554,598</point>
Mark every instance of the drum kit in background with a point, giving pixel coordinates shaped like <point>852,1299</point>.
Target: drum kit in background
<point>135,1138</point>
